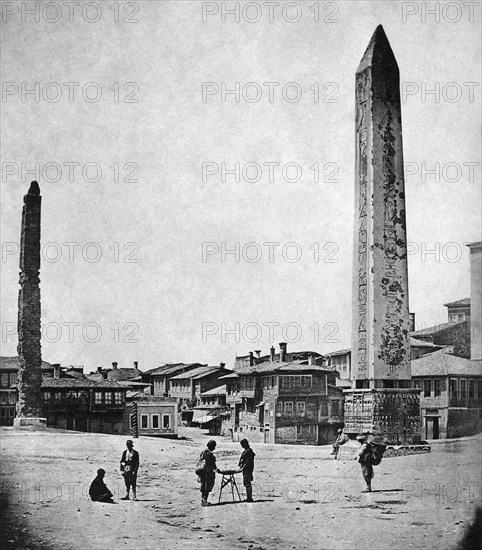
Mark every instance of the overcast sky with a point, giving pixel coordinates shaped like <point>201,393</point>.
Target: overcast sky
<point>150,291</point>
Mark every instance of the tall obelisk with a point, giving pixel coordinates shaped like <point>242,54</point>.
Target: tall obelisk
<point>380,335</point>
<point>381,400</point>
<point>29,404</point>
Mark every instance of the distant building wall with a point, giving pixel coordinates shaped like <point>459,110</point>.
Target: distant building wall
<point>475,300</point>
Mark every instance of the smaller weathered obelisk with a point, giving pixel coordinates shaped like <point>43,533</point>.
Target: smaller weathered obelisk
<point>29,404</point>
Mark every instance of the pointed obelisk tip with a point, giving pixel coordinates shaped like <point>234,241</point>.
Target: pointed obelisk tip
<point>34,189</point>
<point>379,46</point>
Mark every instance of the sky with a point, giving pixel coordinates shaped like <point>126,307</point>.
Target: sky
<point>123,112</point>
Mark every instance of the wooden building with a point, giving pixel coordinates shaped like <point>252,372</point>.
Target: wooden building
<point>84,405</point>
<point>294,402</point>
<point>451,394</point>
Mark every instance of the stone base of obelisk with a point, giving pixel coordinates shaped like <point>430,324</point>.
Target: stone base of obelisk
<point>393,415</point>
<point>29,422</point>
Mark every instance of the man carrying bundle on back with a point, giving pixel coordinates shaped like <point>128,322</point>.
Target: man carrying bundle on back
<point>369,455</point>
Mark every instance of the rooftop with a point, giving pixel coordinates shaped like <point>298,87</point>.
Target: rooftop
<point>443,363</point>
<point>220,390</point>
<point>459,303</point>
<point>292,366</point>
<point>80,383</point>
<point>429,331</point>
<point>200,372</point>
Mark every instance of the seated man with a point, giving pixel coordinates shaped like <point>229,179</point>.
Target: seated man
<point>98,490</point>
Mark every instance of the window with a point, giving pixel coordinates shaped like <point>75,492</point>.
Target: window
<point>12,398</point>
<point>13,378</point>
<point>463,388</point>
<point>300,408</point>
<point>3,398</point>
<point>417,384</point>
<point>247,383</point>
<point>426,388</point>
<point>324,408</point>
<point>144,421</point>
<point>453,387</point>
<point>461,317</point>
<point>118,398</point>
<point>57,395</point>
<point>4,379</point>
<point>46,396</point>
<point>335,408</point>
<point>453,318</point>
<point>299,429</point>
<point>4,413</point>
<point>312,429</point>
<point>288,408</point>
<point>155,421</point>
<point>471,389</point>
<point>98,398</point>
<point>166,421</point>
<point>108,398</point>
<point>11,413</point>
<point>306,381</point>
<point>479,389</point>
<point>437,388</point>
<point>279,407</point>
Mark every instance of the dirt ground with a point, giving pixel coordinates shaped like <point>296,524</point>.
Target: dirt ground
<point>303,498</point>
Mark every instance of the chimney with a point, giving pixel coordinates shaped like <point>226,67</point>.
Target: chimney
<point>114,365</point>
<point>310,359</point>
<point>251,359</point>
<point>258,353</point>
<point>412,321</point>
<point>271,354</point>
<point>222,365</point>
<point>136,365</point>
<point>99,370</point>
<point>56,370</point>
<point>282,352</point>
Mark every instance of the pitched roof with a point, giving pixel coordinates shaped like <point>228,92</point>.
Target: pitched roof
<point>429,331</point>
<point>292,366</point>
<point>463,302</point>
<point>444,363</point>
<point>198,373</point>
<point>79,383</point>
<point>339,352</point>
<point>123,373</point>
<point>172,368</point>
<point>414,342</point>
<point>12,363</point>
<point>220,390</point>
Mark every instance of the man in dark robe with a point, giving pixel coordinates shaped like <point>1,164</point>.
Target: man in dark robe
<point>246,464</point>
<point>208,474</point>
<point>365,461</point>
<point>98,491</point>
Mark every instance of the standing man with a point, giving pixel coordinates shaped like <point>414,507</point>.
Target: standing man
<point>246,464</point>
<point>341,439</point>
<point>365,458</point>
<point>129,465</point>
<point>208,473</point>
<point>98,491</point>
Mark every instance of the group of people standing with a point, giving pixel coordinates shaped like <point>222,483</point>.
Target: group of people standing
<point>368,455</point>
<point>207,474</point>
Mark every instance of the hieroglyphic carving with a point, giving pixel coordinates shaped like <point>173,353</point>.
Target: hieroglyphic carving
<point>362,96</point>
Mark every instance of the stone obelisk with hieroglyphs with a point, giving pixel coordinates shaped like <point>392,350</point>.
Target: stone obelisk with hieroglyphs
<point>384,402</point>
<point>29,404</point>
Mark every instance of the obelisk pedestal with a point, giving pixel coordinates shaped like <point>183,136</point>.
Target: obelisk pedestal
<point>381,399</point>
<point>29,403</point>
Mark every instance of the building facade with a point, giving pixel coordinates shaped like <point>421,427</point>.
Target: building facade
<point>451,394</point>
<point>156,416</point>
